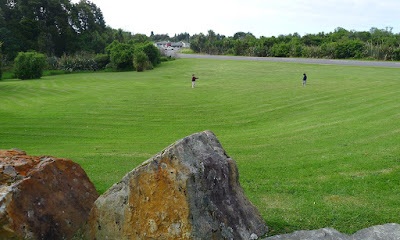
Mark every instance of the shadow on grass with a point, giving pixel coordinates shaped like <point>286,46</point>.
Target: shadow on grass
<point>279,227</point>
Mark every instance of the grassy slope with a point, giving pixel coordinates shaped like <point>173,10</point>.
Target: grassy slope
<point>324,155</point>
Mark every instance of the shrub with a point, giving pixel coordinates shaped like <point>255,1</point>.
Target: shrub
<point>121,55</point>
<point>280,50</point>
<point>396,54</point>
<point>78,63</point>
<point>29,65</point>
<point>53,63</point>
<point>295,50</point>
<point>101,61</point>
<point>141,61</point>
<point>166,59</point>
<point>311,51</point>
<point>328,50</point>
<point>349,49</point>
<point>153,53</point>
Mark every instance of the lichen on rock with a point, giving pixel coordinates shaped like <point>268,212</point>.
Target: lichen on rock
<point>190,190</point>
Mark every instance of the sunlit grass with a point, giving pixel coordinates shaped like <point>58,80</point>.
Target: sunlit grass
<point>324,155</point>
<point>186,51</point>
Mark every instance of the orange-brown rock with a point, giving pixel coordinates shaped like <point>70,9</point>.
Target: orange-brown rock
<point>190,190</point>
<point>42,197</point>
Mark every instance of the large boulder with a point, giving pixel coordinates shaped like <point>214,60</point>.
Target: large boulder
<point>190,190</point>
<point>390,231</point>
<point>42,197</point>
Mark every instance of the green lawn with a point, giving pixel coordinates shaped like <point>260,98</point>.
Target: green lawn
<point>324,155</point>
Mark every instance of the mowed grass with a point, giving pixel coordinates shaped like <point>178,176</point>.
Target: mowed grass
<point>324,155</point>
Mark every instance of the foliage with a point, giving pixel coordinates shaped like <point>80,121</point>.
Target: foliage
<point>152,53</point>
<point>380,44</point>
<point>58,27</point>
<point>101,61</point>
<point>166,59</point>
<point>396,54</point>
<point>280,50</point>
<point>185,37</point>
<point>79,62</point>
<point>53,63</point>
<point>11,45</point>
<point>187,51</point>
<point>29,65</point>
<point>52,27</point>
<point>349,49</point>
<point>125,56</point>
<point>121,55</point>
<point>1,62</point>
<point>141,60</point>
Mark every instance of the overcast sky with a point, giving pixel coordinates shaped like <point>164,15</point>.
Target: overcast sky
<point>260,17</point>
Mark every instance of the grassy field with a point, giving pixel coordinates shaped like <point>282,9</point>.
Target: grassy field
<point>324,155</point>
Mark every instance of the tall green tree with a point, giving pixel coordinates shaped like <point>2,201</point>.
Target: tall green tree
<point>89,23</point>
<point>53,27</point>
<point>121,55</point>
<point>1,62</point>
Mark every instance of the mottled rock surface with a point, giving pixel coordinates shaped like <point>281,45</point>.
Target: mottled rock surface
<point>42,197</point>
<point>190,190</point>
<point>390,231</point>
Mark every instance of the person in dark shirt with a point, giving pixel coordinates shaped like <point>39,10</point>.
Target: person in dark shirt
<point>194,80</point>
<point>304,79</point>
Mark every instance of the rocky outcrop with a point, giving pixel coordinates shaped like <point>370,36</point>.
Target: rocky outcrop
<point>190,190</point>
<point>42,197</point>
<point>390,231</point>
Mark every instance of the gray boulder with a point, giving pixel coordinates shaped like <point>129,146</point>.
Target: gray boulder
<point>320,234</point>
<point>190,190</point>
<point>390,231</point>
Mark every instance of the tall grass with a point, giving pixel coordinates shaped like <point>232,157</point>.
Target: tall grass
<point>324,155</point>
<point>186,51</point>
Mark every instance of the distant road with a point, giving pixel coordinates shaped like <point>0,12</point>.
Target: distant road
<point>298,60</point>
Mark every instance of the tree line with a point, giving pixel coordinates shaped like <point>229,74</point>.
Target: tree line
<point>70,37</point>
<point>75,37</point>
<point>378,44</point>
<point>59,27</point>
<point>52,27</point>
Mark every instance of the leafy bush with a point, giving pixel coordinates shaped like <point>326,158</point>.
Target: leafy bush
<point>295,50</point>
<point>153,53</point>
<point>53,63</point>
<point>29,65</point>
<point>121,55</point>
<point>328,49</point>
<point>396,54</point>
<point>166,59</point>
<point>141,61</point>
<point>311,52</point>
<point>280,50</point>
<point>101,61</point>
<point>349,49</point>
<point>78,63</point>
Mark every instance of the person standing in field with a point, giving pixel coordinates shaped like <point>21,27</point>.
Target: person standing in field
<point>304,79</point>
<point>194,80</point>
